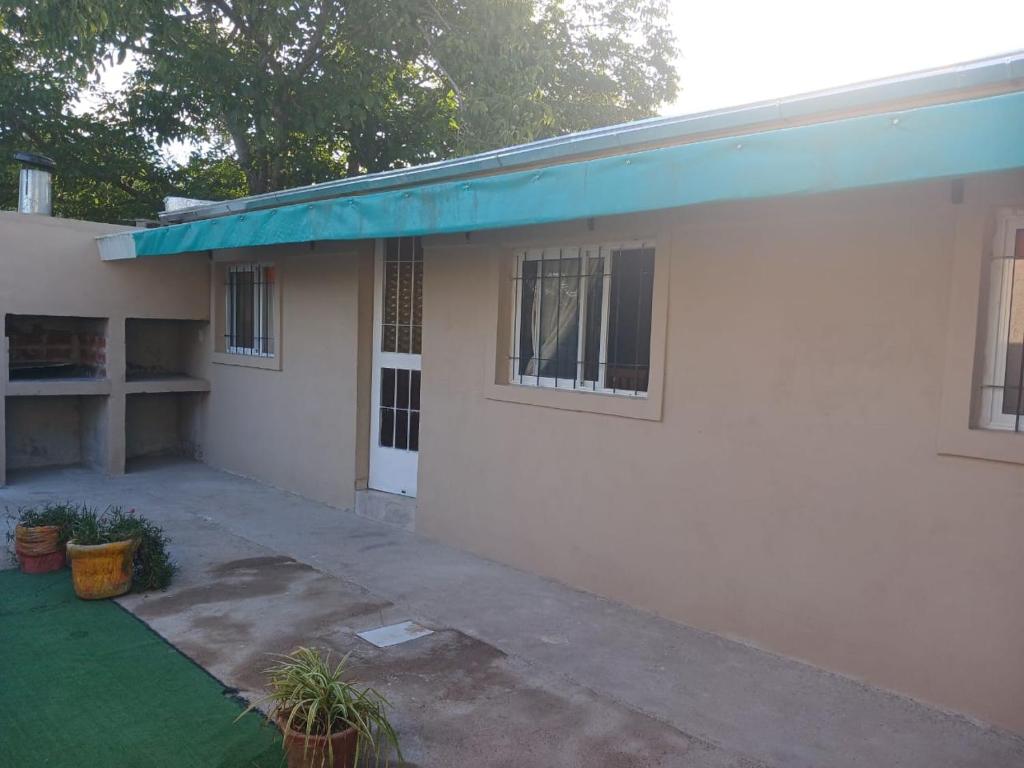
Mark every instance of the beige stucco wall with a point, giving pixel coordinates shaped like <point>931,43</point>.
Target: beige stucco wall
<point>296,427</point>
<point>791,494</point>
<point>50,266</point>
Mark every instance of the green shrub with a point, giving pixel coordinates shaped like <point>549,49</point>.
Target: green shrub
<point>64,516</point>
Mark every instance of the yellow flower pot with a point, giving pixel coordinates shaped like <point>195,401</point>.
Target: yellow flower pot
<point>102,570</point>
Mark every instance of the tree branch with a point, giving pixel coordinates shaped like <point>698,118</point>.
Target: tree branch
<point>243,150</point>
<point>237,19</point>
<point>314,45</point>
<point>433,62</point>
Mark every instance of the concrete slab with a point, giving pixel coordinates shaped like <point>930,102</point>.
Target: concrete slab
<point>394,634</point>
<point>388,508</point>
<point>519,670</point>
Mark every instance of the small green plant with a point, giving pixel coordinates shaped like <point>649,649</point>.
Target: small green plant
<point>63,516</point>
<point>311,697</point>
<point>153,567</point>
<point>87,528</point>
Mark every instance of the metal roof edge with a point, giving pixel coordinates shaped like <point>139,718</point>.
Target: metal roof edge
<point>117,246</point>
<point>965,76</point>
<point>939,140</point>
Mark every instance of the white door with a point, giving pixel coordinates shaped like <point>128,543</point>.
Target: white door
<point>397,338</point>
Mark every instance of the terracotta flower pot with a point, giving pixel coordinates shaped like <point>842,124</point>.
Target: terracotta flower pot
<point>41,563</point>
<point>36,540</point>
<point>102,570</point>
<point>37,548</point>
<point>312,752</point>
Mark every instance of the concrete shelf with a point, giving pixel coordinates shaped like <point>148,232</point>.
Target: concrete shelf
<point>158,384</point>
<point>55,426</point>
<point>57,387</point>
<point>162,350</point>
<point>164,422</point>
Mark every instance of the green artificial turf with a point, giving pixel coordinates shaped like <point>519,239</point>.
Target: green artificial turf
<point>85,683</point>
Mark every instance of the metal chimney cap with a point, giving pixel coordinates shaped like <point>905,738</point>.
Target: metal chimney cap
<point>31,159</point>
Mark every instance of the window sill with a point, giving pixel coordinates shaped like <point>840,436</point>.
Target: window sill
<point>989,444</point>
<point>626,406</point>
<point>247,361</point>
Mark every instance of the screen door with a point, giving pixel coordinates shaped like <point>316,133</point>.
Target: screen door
<point>397,338</point>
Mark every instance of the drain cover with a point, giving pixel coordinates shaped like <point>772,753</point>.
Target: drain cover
<point>393,634</point>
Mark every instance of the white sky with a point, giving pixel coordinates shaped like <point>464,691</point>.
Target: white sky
<point>749,50</point>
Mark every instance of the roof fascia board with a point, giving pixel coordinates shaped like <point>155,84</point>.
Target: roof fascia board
<point>117,247</point>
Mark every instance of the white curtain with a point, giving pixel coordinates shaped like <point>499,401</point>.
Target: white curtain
<point>554,335</point>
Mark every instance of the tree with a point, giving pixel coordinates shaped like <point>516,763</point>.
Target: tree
<point>105,171</point>
<point>301,91</point>
<point>530,69</point>
<point>108,170</point>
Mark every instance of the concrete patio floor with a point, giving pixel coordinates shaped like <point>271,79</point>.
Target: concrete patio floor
<point>520,670</point>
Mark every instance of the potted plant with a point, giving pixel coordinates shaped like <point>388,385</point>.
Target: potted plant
<point>327,722</point>
<point>107,551</point>
<point>40,534</point>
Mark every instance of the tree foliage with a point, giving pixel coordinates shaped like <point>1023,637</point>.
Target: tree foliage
<point>278,93</point>
<point>106,167</point>
<point>109,169</point>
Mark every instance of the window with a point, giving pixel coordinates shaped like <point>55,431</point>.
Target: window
<point>249,311</point>
<point>402,305</point>
<point>582,318</point>
<point>399,409</point>
<point>1002,389</point>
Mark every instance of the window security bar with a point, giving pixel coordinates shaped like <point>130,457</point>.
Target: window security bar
<point>399,409</point>
<point>582,319</point>
<point>249,296</point>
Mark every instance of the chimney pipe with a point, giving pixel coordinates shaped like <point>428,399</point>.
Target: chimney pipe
<point>34,184</point>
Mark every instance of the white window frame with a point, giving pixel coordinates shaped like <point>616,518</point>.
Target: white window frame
<point>997,337</point>
<point>585,253</point>
<point>262,326</point>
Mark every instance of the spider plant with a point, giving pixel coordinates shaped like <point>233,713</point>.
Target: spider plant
<point>311,697</point>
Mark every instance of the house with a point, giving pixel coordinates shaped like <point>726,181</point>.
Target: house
<point>756,370</point>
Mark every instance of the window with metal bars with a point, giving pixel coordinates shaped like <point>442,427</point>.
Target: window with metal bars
<point>249,310</point>
<point>1002,386</point>
<point>582,318</point>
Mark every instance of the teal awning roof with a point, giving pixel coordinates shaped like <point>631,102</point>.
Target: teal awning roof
<point>943,140</point>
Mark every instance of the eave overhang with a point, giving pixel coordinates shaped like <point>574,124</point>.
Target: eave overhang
<point>945,140</point>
